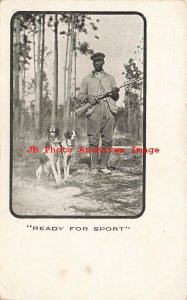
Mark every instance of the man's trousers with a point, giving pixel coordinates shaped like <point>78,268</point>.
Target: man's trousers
<point>100,123</point>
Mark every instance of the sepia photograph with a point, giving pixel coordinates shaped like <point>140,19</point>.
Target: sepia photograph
<point>78,114</point>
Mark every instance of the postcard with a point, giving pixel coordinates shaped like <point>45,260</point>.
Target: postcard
<point>93,150</point>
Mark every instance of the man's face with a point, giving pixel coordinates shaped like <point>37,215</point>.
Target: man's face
<point>98,64</point>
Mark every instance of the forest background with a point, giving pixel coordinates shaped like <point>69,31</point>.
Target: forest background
<point>50,56</point>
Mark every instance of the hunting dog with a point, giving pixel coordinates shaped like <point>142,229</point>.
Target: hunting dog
<point>54,150</point>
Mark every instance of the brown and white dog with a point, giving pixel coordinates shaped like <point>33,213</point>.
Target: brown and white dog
<point>54,150</point>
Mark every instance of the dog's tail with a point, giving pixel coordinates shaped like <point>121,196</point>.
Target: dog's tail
<point>39,172</point>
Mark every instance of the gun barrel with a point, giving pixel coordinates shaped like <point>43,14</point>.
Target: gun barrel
<point>129,83</point>
<point>83,109</point>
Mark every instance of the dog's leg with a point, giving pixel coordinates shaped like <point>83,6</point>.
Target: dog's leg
<point>47,169</point>
<point>58,167</point>
<point>65,168</point>
<point>54,171</point>
<point>39,172</point>
<point>68,166</point>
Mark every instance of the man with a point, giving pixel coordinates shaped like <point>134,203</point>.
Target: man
<point>100,116</point>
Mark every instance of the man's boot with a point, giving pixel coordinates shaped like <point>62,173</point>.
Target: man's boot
<point>104,161</point>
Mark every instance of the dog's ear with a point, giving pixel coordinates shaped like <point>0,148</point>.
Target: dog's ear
<point>67,135</point>
<point>57,131</point>
<point>48,129</point>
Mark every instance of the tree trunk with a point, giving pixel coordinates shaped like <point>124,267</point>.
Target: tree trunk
<point>65,77</point>
<point>16,72</point>
<point>22,109</point>
<point>23,98</point>
<point>38,84</point>
<point>34,54</point>
<point>127,98</point>
<point>75,77</point>
<point>55,102</point>
<point>42,71</point>
<point>129,115</point>
<point>75,66</point>
<point>66,60</point>
<point>70,74</point>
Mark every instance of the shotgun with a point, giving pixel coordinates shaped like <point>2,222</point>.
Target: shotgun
<point>83,109</point>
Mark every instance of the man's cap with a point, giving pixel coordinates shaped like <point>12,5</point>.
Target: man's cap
<point>97,56</point>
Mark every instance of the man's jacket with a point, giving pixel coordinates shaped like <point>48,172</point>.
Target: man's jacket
<point>93,86</point>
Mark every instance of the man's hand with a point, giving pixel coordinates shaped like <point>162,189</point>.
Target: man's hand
<point>115,94</point>
<point>92,100</point>
<point>115,91</point>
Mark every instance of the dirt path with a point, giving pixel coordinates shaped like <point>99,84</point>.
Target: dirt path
<point>119,194</point>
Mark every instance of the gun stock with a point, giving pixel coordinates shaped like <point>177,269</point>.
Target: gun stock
<point>82,110</point>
